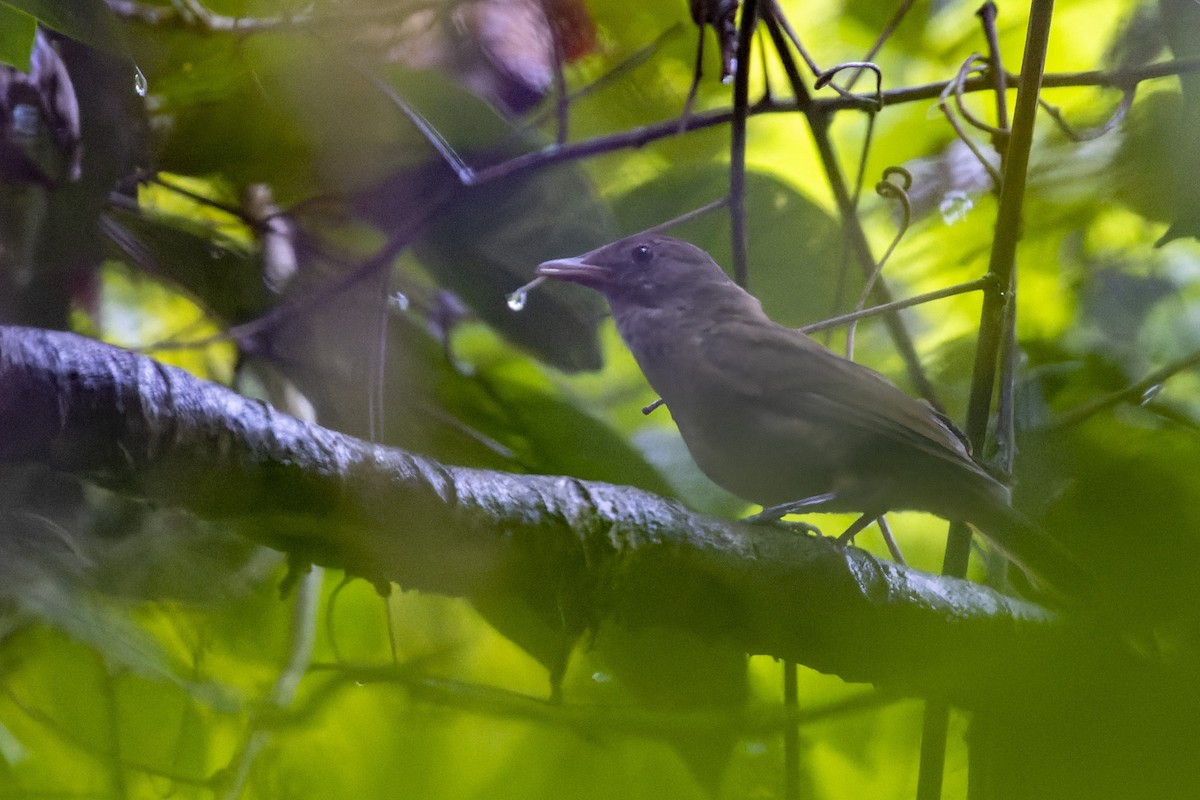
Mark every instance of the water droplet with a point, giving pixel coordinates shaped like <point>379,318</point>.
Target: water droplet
<point>398,300</point>
<point>756,748</point>
<point>140,84</point>
<point>955,206</point>
<point>518,299</point>
<point>601,677</point>
<point>1151,393</point>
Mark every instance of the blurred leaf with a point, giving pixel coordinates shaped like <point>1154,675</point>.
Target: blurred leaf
<point>16,37</point>
<point>485,242</point>
<point>88,21</point>
<point>1153,174</point>
<point>1118,489</point>
<point>653,89</point>
<point>910,36</point>
<point>672,670</point>
<point>1156,170</point>
<point>1140,38</point>
<point>1116,307</point>
<point>555,437</point>
<point>223,275</point>
<point>193,79</point>
<point>796,263</point>
<point>157,691</point>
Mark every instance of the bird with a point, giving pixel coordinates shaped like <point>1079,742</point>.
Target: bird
<point>782,421</point>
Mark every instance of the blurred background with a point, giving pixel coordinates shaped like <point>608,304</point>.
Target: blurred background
<point>326,205</point>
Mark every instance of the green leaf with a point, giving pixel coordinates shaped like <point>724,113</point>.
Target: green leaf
<point>88,21</point>
<point>223,276</point>
<point>556,437</point>
<point>16,37</point>
<point>1120,489</point>
<point>192,77</point>
<point>514,224</point>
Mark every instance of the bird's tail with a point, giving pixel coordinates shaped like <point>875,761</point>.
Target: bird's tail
<point>1043,558</point>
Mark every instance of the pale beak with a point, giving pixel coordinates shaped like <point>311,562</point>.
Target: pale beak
<point>576,270</point>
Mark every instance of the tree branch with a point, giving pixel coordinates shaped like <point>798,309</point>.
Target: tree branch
<point>546,558</point>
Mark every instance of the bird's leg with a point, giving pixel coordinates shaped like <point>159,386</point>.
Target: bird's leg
<point>890,541</point>
<point>856,527</point>
<point>776,513</point>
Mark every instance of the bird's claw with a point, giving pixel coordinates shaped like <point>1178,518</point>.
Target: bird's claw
<point>763,518</point>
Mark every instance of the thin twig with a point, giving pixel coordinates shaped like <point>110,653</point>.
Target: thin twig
<point>561,100</point>
<point>979,284</point>
<point>629,63</point>
<point>1112,79</point>
<point>954,88</point>
<point>997,328</point>
<point>697,74</point>
<point>890,190</point>
<point>820,107</point>
<point>192,14</point>
<point>466,175</point>
<point>825,78</point>
<point>851,225</point>
<point>1003,254</point>
<point>302,635</point>
<point>987,17</point>
<point>737,144</point>
<point>1135,391</point>
<point>303,304</point>
<point>885,34</point>
<point>1077,135</point>
<point>776,13</point>
<point>791,734</point>
<point>974,64</point>
<point>1006,412</point>
<point>688,216</point>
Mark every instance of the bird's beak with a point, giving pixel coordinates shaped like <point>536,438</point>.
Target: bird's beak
<point>576,270</point>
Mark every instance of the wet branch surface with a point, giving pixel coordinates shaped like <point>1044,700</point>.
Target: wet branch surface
<point>546,558</point>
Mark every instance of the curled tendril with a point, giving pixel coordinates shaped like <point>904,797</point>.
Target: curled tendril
<point>975,63</point>
<point>891,190</point>
<point>885,186</point>
<point>1087,135</point>
<point>825,78</point>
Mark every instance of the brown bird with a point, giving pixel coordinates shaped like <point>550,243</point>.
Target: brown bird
<point>777,418</point>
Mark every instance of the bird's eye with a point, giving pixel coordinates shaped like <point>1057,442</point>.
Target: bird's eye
<point>642,254</point>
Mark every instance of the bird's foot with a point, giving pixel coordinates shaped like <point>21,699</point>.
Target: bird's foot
<point>775,513</point>
<point>806,528</point>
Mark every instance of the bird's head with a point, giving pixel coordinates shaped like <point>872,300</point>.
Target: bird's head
<point>644,269</point>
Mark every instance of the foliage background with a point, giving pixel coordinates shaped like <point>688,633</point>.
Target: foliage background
<point>145,653</point>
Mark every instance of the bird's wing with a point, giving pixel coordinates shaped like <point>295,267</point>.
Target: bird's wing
<point>792,375</point>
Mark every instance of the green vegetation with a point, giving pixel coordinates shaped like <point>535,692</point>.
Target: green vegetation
<point>325,205</point>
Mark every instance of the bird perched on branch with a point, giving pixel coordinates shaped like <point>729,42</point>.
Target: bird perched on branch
<point>780,420</point>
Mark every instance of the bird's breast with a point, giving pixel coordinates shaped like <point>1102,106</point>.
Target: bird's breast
<point>739,441</point>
